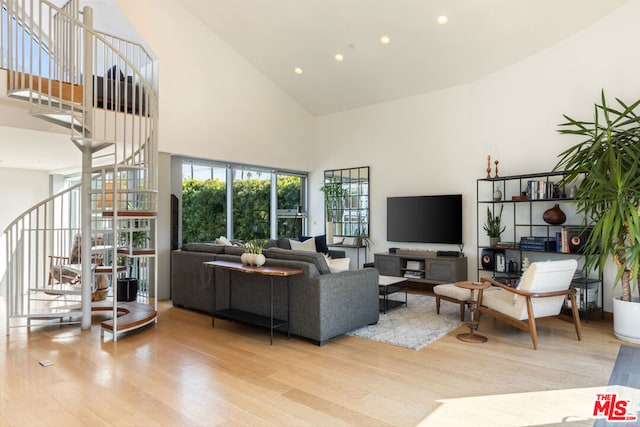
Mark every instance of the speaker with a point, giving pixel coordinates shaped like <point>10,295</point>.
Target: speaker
<point>393,250</point>
<point>488,259</point>
<point>577,239</point>
<point>448,253</point>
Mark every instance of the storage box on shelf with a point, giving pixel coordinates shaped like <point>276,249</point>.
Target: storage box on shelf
<point>423,269</point>
<point>524,200</point>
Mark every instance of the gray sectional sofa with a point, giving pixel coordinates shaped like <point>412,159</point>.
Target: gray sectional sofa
<point>323,304</point>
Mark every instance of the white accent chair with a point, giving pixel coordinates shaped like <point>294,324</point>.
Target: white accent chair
<point>541,293</point>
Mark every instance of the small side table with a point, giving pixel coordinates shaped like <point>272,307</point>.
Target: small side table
<point>388,285</point>
<point>471,336</point>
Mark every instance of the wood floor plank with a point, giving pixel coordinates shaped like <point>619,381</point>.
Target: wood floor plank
<point>182,372</point>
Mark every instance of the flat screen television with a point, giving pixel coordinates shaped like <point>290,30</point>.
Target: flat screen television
<point>425,219</point>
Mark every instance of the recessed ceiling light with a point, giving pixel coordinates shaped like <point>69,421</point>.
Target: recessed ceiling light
<point>385,40</point>
<point>442,20</point>
<point>297,70</point>
<point>339,57</point>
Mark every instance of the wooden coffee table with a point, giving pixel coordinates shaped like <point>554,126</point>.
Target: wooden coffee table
<point>471,336</point>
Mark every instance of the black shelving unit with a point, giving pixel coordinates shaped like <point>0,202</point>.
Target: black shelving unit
<point>524,198</point>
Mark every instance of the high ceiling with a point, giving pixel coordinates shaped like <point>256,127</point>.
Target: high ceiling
<point>277,36</point>
<point>480,37</point>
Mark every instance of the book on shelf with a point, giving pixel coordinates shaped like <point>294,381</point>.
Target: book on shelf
<point>507,245</point>
<point>562,241</point>
<point>414,275</point>
<point>415,265</point>
<point>538,244</point>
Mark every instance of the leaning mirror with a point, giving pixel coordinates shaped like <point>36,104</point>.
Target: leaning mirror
<point>346,201</point>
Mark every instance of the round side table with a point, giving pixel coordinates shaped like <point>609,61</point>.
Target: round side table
<point>471,336</point>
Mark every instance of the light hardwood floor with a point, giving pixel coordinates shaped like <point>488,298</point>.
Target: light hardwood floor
<point>182,372</point>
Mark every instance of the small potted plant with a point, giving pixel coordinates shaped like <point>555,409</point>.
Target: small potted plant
<point>493,226</point>
<point>333,192</point>
<point>253,253</point>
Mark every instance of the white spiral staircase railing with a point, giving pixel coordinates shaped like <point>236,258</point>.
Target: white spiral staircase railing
<point>103,89</point>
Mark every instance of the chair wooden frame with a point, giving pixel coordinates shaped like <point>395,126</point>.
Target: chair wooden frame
<point>463,304</point>
<point>58,271</point>
<point>529,324</point>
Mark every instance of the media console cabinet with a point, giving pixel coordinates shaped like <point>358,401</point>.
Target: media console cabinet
<point>423,269</point>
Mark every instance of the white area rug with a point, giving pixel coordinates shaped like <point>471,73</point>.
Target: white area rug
<point>413,326</point>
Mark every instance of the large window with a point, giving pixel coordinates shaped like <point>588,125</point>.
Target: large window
<point>291,199</point>
<point>241,202</point>
<point>204,202</point>
<point>251,204</point>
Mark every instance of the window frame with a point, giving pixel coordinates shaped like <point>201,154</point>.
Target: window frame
<point>275,214</point>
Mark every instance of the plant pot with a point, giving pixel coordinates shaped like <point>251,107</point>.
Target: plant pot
<point>260,260</point>
<point>245,258</point>
<point>493,241</point>
<point>626,317</point>
<point>329,232</point>
<point>127,289</point>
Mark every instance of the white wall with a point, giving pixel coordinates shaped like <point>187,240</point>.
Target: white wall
<point>213,103</point>
<point>20,190</point>
<point>437,143</point>
<point>163,257</point>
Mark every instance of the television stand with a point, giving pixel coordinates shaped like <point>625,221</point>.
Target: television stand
<point>422,269</point>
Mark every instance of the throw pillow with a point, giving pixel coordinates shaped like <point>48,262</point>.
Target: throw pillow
<point>223,241</point>
<point>321,242</point>
<point>336,265</point>
<point>308,245</point>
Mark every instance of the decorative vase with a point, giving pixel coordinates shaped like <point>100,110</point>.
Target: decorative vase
<point>554,215</point>
<point>497,195</point>
<point>329,232</point>
<point>493,241</point>
<point>260,260</point>
<point>245,258</point>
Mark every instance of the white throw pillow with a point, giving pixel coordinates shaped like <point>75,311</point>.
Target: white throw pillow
<point>223,241</point>
<point>308,245</point>
<point>336,265</point>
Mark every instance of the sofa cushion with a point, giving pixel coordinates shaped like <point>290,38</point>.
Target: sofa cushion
<point>321,242</point>
<point>452,291</point>
<point>308,245</point>
<point>233,250</point>
<point>314,258</point>
<point>271,243</point>
<point>336,265</point>
<point>213,248</point>
<point>284,244</point>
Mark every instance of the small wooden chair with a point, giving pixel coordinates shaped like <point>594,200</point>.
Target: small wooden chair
<point>541,293</point>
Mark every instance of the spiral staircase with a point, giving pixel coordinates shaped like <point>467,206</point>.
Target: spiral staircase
<point>101,88</point>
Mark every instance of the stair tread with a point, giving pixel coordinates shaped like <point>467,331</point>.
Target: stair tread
<point>134,315</point>
<point>59,290</point>
<point>131,213</point>
<point>136,251</point>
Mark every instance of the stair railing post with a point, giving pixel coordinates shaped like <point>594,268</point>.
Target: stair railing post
<point>87,166</point>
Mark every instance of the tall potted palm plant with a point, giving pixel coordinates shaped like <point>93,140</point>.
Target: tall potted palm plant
<point>609,197</point>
